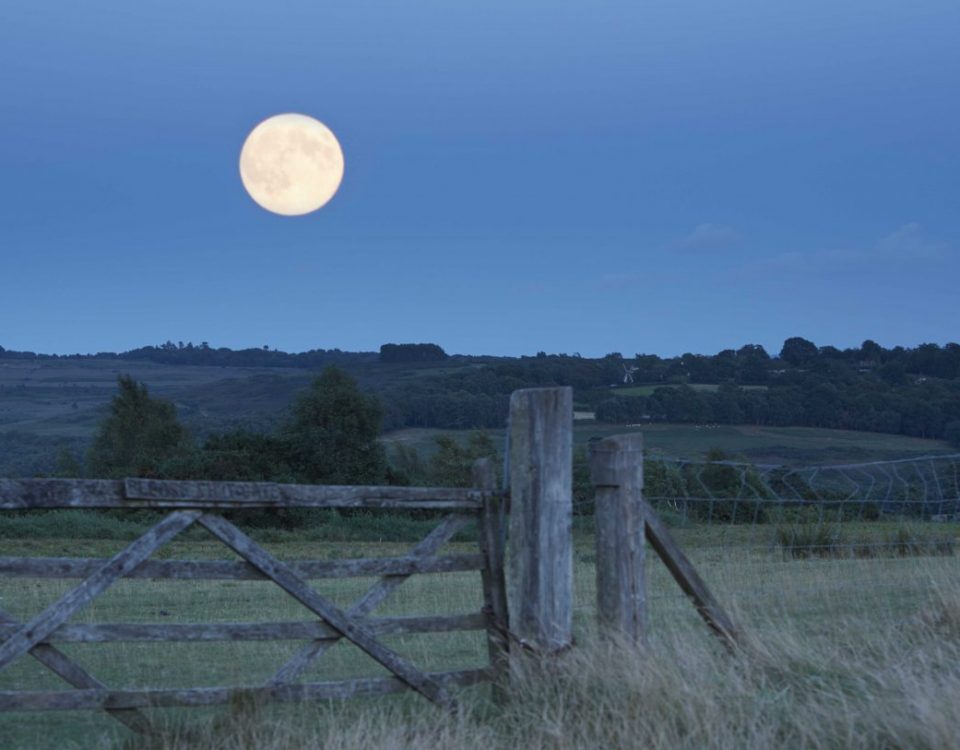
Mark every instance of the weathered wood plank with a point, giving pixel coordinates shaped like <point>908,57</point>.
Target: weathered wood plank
<point>254,493</point>
<point>494,583</point>
<point>37,629</point>
<point>81,567</point>
<point>256,631</point>
<point>616,468</point>
<point>687,577</point>
<point>373,598</point>
<point>72,700</point>
<point>269,494</point>
<point>23,494</point>
<point>351,628</point>
<point>61,665</point>
<point>540,560</point>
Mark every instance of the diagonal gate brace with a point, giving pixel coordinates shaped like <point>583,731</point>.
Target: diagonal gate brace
<point>353,629</point>
<point>29,637</point>
<point>37,629</point>
<point>370,600</point>
<point>63,666</point>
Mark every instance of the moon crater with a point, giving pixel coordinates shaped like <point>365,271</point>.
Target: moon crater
<point>291,164</point>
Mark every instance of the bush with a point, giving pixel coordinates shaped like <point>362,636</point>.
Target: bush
<point>802,541</point>
<point>810,540</point>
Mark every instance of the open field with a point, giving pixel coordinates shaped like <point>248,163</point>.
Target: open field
<point>66,398</point>
<point>868,648</point>
<point>63,398</point>
<point>50,405</point>
<point>649,388</point>
<point>789,445</point>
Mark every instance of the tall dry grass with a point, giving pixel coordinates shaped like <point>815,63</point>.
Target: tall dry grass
<point>845,683</point>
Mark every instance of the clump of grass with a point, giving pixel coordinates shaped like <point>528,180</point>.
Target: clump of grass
<point>828,540</point>
<point>906,542</point>
<point>803,541</point>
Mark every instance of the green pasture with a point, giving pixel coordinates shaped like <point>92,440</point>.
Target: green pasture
<point>760,444</point>
<point>746,572</point>
<point>649,388</point>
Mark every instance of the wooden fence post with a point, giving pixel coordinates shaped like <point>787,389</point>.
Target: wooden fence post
<point>540,558</point>
<point>616,469</point>
<point>492,538</point>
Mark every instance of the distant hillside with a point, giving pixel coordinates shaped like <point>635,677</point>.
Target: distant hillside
<point>49,402</point>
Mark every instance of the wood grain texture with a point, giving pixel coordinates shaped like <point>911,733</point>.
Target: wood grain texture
<point>71,672</point>
<point>352,628</point>
<point>81,567</point>
<point>371,599</point>
<point>256,631</point>
<point>40,627</point>
<point>689,580</point>
<point>540,548</point>
<point>493,576</point>
<point>616,470</point>
<point>23,494</point>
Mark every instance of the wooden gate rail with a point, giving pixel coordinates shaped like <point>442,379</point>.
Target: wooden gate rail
<point>35,494</point>
<point>225,570</point>
<point>188,500</point>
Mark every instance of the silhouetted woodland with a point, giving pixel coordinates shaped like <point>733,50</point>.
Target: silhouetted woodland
<point>910,391</point>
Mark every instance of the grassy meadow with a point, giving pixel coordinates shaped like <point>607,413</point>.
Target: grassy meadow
<point>840,652</point>
<point>648,389</point>
<point>756,443</point>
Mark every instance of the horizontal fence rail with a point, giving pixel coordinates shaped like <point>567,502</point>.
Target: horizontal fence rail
<point>198,504</point>
<point>225,570</point>
<point>114,700</point>
<point>258,631</point>
<point>34,494</point>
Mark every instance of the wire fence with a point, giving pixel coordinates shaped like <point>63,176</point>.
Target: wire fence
<point>850,540</point>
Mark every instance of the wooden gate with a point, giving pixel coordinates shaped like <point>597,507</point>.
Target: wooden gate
<point>200,503</point>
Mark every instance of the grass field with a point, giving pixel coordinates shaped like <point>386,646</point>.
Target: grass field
<point>648,389</point>
<point>842,653</point>
<point>791,445</point>
<point>47,406</point>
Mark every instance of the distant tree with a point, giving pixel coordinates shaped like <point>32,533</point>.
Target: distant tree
<point>871,351</point>
<point>798,351</point>
<point>139,436</point>
<point>452,464</point>
<point>893,373</point>
<point>407,467</point>
<point>246,456</point>
<point>67,464</point>
<point>412,353</point>
<point>753,350</point>
<point>332,434</point>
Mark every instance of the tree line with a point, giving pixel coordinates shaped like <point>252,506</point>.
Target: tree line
<point>330,436</point>
<point>910,391</point>
<point>907,391</point>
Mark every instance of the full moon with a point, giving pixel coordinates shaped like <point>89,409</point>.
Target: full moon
<point>291,164</point>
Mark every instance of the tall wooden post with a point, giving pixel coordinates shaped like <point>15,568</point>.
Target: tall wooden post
<point>492,539</point>
<point>616,468</point>
<point>540,548</point>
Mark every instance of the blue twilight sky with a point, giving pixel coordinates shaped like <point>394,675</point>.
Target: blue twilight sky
<point>624,175</point>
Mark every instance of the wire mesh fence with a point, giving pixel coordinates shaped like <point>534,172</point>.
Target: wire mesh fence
<point>873,540</point>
